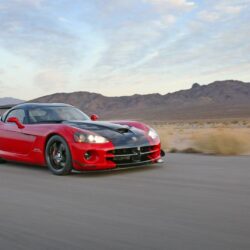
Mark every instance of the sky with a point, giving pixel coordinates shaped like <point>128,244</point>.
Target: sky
<point>121,47</point>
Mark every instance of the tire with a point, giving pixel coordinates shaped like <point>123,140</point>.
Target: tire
<point>58,156</point>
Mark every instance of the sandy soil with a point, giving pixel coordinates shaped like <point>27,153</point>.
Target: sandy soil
<point>226,137</point>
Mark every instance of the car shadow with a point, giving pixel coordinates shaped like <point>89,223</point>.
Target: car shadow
<point>25,166</point>
<point>85,174</point>
<point>119,171</point>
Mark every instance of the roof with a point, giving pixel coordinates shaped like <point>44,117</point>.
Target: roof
<point>34,105</point>
<point>6,107</point>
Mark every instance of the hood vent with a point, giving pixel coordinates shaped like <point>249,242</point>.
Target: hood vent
<point>122,130</point>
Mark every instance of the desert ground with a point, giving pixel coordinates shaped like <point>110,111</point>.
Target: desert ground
<point>217,137</point>
<point>189,202</point>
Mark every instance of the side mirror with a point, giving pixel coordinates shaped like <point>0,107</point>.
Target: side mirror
<point>16,121</point>
<point>94,117</point>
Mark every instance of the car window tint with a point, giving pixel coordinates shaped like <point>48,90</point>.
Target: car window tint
<point>18,113</point>
<point>49,114</point>
<point>41,114</point>
<point>69,113</point>
<point>37,112</point>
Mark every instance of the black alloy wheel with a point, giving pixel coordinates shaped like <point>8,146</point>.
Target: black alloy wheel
<point>58,156</point>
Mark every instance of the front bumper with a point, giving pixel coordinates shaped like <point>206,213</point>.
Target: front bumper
<point>106,156</point>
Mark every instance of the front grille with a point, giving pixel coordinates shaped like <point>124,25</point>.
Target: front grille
<point>134,156</point>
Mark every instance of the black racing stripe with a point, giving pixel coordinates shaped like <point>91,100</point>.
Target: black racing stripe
<point>119,135</point>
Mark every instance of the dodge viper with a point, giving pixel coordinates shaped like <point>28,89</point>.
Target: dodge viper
<point>64,138</point>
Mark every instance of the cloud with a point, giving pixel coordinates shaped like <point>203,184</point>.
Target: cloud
<point>51,80</point>
<point>16,4</point>
<point>34,3</point>
<point>129,42</point>
<point>209,16</point>
<point>120,46</point>
<point>172,4</point>
<point>167,45</point>
<point>46,39</point>
<point>135,40</point>
<point>111,6</point>
<point>222,10</point>
<point>116,5</point>
<point>165,21</point>
<point>204,50</point>
<point>231,9</point>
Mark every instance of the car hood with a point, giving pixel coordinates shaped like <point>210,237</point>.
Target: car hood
<point>119,135</point>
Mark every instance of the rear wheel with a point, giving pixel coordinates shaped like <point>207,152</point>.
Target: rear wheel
<point>58,156</point>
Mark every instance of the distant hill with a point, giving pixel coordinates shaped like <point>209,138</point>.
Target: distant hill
<point>9,101</point>
<point>220,99</point>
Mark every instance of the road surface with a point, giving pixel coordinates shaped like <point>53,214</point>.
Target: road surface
<point>189,202</point>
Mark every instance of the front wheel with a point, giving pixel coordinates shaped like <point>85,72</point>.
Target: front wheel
<point>58,156</point>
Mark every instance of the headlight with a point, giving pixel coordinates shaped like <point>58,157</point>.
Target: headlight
<point>89,138</point>
<point>152,133</point>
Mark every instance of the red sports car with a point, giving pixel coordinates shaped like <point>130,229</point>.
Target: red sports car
<point>63,138</point>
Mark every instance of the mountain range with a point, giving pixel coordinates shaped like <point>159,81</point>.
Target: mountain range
<point>9,101</point>
<point>220,99</point>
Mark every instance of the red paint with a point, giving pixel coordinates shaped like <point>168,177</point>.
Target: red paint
<point>26,143</point>
<point>16,121</point>
<point>94,117</point>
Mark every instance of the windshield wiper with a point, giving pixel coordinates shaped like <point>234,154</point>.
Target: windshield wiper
<point>50,121</point>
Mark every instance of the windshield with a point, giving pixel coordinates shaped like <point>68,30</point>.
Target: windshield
<point>55,114</point>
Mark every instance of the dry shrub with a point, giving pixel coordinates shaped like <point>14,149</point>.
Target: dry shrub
<point>222,142</point>
<point>164,135</point>
<point>190,151</point>
<point>225,140</point>
<point>185,151</point>
<point>174,150</point>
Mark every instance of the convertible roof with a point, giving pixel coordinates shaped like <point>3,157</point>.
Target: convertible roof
<point>34,105</point>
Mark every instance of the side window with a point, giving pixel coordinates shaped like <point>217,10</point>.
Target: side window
<point>37,115</point>
<point>4,116</point>
<point>18,113</point>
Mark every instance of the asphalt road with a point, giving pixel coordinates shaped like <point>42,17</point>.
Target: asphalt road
<point>189,202</point>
